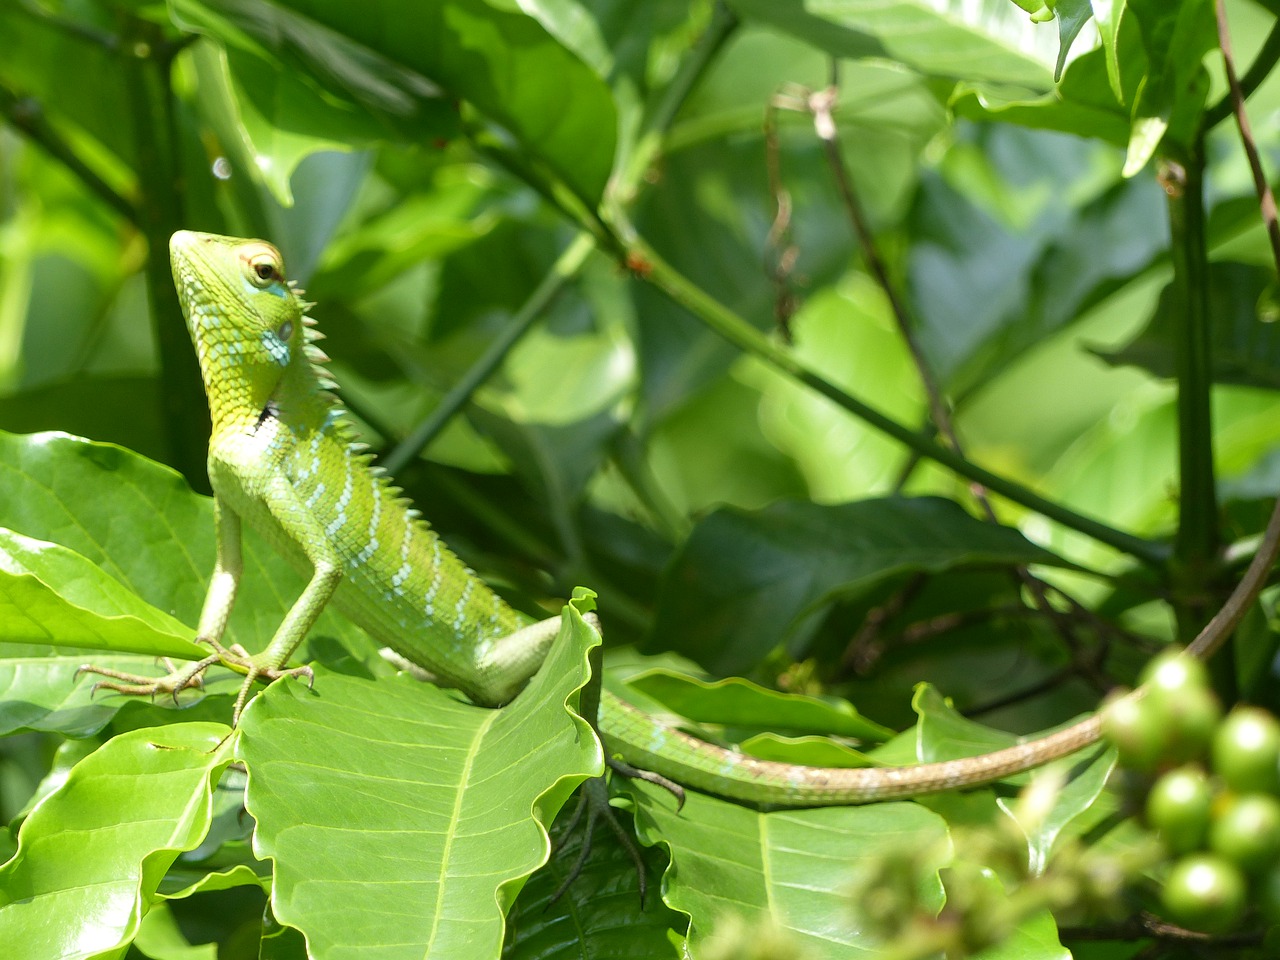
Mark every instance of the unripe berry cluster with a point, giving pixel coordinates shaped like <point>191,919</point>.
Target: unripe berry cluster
<point>1215,802</point>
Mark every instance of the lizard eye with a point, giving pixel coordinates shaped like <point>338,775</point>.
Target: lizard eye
<point>264,270</point>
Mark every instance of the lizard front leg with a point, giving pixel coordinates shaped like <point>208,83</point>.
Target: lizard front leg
<point>214,613</point>
<point>297,522</point>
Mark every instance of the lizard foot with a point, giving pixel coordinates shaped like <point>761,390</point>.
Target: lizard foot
<point>192,675</point>
<point>621,767</point>
<point>136,685</point>
<point>593,800</point>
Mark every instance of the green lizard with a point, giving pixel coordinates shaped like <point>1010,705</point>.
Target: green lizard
<point>283,458</point>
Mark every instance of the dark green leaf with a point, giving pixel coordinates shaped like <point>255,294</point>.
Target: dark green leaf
<point>1071,16</point>
<point>388,54</point>
<point>598,917</point>
<point>986,292</point>
<point>986,41</point>
<point>1245,337</point>
<point>741,703</point>
<point>746,582</point>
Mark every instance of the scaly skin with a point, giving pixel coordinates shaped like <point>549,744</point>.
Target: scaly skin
<point>282,458</point>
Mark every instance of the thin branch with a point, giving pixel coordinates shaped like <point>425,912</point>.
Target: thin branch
<point>822,106</point>
<point>658,122</point>
<point>780,251</point>
<point>564,269</point>
<point>1037,689</point>
<point>1257,72</point>
<point>865,648</point>
<point>647,264</point>
<point>27,116</point>
<point>1147,926</point>
<point>1217,630</point>
<point>1266,200</point>
<point>1255,577</point>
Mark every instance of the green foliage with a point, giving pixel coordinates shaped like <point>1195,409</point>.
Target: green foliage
<point>706,412</point>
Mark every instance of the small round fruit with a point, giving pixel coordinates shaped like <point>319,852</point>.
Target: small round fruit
<point>1246,751</point>
<point>1248,832</point>
<point>1176,686</point>
<point>1192,718</point>
<point>1178,808</point>
<point>1204,892</point>
<point>1138,735</point>
<point>1171,674</point>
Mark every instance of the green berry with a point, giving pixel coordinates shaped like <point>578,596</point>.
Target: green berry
<point>1177,687</point>
<point>1248,832</point>
<point>1204,892</point>
<point>1138,735</point>
<point>1171,674</point>
<point>1246,751</point>
<point>1178,808</point>
<point>1193,719</point>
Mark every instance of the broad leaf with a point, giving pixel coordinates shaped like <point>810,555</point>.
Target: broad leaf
<point>596,917</point>
<point>141,524</point>
<point>741,703</point>
<point>49,594</point>
<point>41,688</point>
<point>745,582</point>
<point>91,855</point>
<point>403,822</point>
<point>977,41</point>
<point>728,859</point>
<point>990,284</point>
<point>501,61</point>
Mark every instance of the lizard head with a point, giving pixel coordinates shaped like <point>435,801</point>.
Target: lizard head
<point>246,320</point>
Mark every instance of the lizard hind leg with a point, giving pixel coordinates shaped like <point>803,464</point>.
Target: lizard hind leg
<point>505,663</point>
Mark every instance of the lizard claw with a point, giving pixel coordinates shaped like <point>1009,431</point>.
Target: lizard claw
<point>621,767</point>
<point>136,685</point>
<point>593,800</point>
<point>192,675</point>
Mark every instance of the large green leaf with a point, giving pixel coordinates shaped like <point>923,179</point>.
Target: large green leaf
<point>600,915</point>
<point>403,822</point>
<point>1175,39</point>
<point>745,582</point>
<point>766,868</point>
<point>141,524</point>
<point>990,284</point>
<point>1083,104</point>
<point>498,59</point>
<point>741,703</point>
<point>49,594</point>
<point>91,854</point>
<point>39,689</point>
<point>966,41</point>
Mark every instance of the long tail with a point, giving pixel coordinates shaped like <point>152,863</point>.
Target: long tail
<point>654,745</point>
